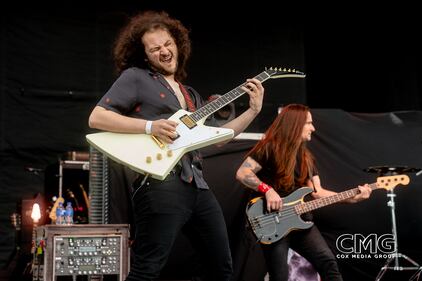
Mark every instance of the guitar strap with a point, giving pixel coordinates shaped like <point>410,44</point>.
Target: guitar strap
<point>191,162</point>
<point>189,102</point>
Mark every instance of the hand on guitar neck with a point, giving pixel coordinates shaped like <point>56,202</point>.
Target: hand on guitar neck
<point>363,192</point>
<point>275,203</point>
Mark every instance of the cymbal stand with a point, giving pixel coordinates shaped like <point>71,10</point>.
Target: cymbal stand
<point>396,255</point>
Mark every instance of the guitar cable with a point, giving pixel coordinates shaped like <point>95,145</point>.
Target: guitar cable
<point>140,186</point>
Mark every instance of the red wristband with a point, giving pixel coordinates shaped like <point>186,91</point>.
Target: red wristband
<point>263,187</point>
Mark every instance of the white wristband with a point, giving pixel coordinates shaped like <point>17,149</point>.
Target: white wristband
<point>148,128</point>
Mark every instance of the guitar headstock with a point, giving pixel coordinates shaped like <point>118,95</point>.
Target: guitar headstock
<point>283,72</point>
<point>389,182</point>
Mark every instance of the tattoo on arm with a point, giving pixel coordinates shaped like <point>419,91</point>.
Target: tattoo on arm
<point>251,181</point>
<point>249,169</point>
<point>251,164</point>
<point>246,164</point>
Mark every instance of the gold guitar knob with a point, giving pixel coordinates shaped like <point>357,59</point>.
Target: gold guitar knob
<point>169,153</point>
<point>149,159</point>
<point>159,156</point>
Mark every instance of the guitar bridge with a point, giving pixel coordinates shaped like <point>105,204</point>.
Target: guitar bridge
<point>188,121</point>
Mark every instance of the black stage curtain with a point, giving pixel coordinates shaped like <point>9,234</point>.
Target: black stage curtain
<point>344,145</point>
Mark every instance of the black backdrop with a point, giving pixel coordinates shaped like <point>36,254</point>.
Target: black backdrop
<point>56,62</point>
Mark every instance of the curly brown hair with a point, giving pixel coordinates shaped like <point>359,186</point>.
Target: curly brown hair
<point>129,50</point>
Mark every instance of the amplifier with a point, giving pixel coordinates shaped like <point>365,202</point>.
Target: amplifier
<point>81,249</point>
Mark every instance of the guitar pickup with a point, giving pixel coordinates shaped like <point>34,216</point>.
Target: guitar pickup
<point>188,121</point>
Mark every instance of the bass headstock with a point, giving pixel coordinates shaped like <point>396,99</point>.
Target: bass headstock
<point>390,182</point>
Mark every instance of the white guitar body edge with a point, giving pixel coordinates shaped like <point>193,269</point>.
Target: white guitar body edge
<point>142,154</point>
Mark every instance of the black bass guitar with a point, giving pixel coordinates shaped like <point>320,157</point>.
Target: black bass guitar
<point>270,227</point>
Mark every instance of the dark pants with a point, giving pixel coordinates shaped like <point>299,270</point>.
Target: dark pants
<point>162,209</point>
<point>308,243</point>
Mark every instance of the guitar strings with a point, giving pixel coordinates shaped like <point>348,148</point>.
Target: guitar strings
<point>287,212</point>
<point>269,218</point>
<point>266,219</point>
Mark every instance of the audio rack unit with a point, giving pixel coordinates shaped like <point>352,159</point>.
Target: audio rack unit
<point>86,249</point>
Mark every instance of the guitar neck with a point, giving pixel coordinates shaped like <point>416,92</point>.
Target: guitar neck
<point>222,101</point>
<point>325,201</point>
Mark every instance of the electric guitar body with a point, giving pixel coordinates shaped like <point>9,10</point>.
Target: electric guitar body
<point>147,155</point>
<point>270,228</point>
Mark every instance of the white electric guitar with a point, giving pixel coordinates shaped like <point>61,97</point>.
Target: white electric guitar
<point>147,154</point>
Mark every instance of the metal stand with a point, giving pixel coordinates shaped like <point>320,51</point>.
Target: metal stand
<point>396,255</point>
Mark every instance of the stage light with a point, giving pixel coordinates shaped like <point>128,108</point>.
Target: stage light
<point>36,213</point>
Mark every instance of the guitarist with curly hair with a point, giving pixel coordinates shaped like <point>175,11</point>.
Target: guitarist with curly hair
<point>150,54</point>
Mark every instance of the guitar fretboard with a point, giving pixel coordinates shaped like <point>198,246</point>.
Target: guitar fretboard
<point>325,201</point>
<point>225,99</point>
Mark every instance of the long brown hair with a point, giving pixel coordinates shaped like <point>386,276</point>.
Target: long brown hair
<point>283,145</point>
<point>129,50</point>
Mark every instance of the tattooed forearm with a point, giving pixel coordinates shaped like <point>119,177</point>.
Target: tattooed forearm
<point>246,164</point>
<point>246,173</point>
<point>251,181</point>
<point>251,164</point>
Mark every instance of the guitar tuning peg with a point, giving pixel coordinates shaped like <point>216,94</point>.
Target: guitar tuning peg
<point>288,70</point>
<point>284,69</point>
<point>293,70</point>
<point>271,68</point>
